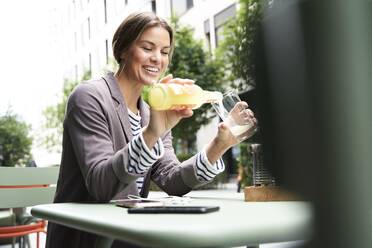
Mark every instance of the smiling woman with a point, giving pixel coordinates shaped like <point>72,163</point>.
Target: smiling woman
<point>114,144</point>
<point>147,58</point>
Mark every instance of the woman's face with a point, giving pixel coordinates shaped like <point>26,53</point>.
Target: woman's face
<point>148,57</point>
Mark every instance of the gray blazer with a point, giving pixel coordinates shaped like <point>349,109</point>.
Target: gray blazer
<point>95,152</point>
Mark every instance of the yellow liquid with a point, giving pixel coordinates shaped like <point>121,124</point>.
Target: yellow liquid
<point>176,96</point>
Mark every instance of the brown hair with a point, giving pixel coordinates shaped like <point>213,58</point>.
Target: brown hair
<point>132,28</point>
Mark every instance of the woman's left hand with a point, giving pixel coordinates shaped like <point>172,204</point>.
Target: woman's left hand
<point>162,121</point>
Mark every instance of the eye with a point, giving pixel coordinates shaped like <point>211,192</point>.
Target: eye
<point>146,48</point>
<point>165,51</point>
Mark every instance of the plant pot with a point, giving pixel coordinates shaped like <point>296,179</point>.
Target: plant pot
<point>268,193</point>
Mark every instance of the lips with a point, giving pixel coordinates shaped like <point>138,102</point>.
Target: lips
<point>152,69</point>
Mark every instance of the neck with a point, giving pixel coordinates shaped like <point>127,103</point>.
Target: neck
<point>131,91</point>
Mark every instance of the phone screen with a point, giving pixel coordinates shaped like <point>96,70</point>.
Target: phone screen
<point>174,210</point>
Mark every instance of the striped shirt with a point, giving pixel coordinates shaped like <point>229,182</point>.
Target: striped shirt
<point>141,158</point>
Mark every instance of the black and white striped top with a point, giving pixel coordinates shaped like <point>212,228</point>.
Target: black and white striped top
<point>141,158</point>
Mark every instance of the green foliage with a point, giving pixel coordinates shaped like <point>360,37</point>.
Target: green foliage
<point>145,93</point>
<point>245,165</point>
<point>55,114</point>
<point>190,60</point>
<point>15,142</point>
<point>238,44</point>
<point>183,156</point>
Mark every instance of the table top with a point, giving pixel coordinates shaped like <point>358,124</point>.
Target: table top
<point>236,223</point>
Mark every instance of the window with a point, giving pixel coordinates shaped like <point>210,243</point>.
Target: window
<point>75,41</point>
<point>76,73</point>
<point>180,7</point>
<point>207,33</point>
<point>90,64</point>
<point>153,6</point>
<point>88,22</point>
<point>107,50</point>
<point>220,19</point>
<point>189,4</point>
<point>74,8</point>
<point>105,9</point>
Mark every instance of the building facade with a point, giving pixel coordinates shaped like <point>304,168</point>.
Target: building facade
<point>84,28</point>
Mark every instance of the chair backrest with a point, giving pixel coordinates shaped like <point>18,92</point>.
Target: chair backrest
<point>27,186</point>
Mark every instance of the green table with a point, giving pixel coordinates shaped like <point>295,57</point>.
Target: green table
<point>236,223</point>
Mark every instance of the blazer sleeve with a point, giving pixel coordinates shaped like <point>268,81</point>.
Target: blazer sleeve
<point>172,176</point>
<point>86,122</point>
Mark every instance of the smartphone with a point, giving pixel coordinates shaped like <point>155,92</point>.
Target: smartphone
<point>174,210</point>
<point>138,203</point>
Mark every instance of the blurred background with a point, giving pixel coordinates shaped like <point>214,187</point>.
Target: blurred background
<point>51,46</point>
<point>304,67</point>
<point>314,61</point>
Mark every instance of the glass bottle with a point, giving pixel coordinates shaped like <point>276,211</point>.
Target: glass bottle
<point>165,96</point>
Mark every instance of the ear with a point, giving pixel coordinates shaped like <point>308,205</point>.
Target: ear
<point>123,56</point>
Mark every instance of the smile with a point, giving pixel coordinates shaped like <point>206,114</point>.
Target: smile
<point>151,69</point>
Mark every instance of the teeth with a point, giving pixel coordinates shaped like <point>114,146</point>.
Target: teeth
<point>152,69</point>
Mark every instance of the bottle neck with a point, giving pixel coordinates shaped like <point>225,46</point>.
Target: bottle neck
<point>212,96</point>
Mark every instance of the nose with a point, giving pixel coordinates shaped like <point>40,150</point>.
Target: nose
<point>155,57</point>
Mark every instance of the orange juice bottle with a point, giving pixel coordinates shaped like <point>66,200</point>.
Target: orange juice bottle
<point>164,96</point>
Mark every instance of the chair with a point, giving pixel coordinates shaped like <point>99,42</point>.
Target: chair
<point>22,187</point>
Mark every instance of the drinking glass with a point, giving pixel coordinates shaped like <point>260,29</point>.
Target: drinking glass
<point>236,116</point>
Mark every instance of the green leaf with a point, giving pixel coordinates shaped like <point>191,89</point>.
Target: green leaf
<point>15,140</point>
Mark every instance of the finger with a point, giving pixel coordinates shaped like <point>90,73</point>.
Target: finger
<point>223,126</point>
<point>242,105</point>
<point>185,112</point>
<point>166,79</point>
<point>247,113</point>
<point>225,131</point>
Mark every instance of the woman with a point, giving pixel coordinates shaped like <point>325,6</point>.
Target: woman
<point>113,144</point>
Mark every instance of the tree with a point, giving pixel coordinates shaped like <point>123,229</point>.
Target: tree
<point>190,60</point>
<point>55,114</point>
<point>15,142</point>
<point>238,44</point>
<point>238,48</point>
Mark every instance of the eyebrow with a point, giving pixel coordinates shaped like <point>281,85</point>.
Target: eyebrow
<point>152,43</point>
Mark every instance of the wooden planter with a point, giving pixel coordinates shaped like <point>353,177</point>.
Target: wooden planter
<point>268,193</point>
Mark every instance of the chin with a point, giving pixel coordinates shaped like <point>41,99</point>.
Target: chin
<point>150,80</point>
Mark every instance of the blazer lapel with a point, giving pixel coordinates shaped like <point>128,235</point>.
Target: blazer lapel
<point>121,107</point>
<point>145,112</point>
<point>145,118</point>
